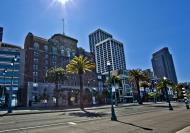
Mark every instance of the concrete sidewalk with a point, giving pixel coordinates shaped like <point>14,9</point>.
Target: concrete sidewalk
<point>54,110</point>
<point>185,130</point>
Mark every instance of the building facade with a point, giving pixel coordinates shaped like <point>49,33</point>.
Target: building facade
<point>163,65</point>
<point>109,50</point>
<point>96,37</point>
<point>11,72</point>
<point>149,73</point>
<point>1,34</point>
<point>105,49</point>
<point>43,54</point>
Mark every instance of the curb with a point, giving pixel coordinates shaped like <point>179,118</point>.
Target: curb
<point>185,130</point>
<point>75,109</point>
<point>64,110</point>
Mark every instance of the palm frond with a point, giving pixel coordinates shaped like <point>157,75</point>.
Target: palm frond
<point>80,65</point>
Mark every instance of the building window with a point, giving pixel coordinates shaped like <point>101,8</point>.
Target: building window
<point>46,56</point>
<point>68,52</point>
<point>35,61</point>
<point>36,46</point>
<point>35,67</point>
<point>46,48</point>
<point>54,50</point>
<point>36,54</point>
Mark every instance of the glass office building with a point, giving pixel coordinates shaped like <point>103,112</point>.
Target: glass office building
<point>9,73</point>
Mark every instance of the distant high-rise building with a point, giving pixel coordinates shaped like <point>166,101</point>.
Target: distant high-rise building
<point>163,65</point>
<point>1,34</point>
<point>149,73</point>
<point>109,50</point>
<point>96,37</point>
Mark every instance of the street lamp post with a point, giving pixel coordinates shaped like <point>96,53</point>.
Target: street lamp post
<point>3,92</point>
<point>15,59</point>
<point>113,115</point>
<point>154,90</point>
<point>116,88</point>
<point>167,97</point>
<point>91,90</point>
<point>185,98</point>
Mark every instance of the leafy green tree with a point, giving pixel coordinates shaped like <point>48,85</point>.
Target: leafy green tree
<point>80,65</point>
<point>57,76</point>
<point>135,76</point>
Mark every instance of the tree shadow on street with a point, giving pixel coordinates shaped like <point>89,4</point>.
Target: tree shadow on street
<point>163,106</point>
<point>86,113</point>
<point>1,115</point>
<point>144,128</point>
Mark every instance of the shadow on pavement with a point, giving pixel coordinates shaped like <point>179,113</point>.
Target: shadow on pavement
<point>163,106</point>
<point>85,113</point>
<point>144,128</point>
<point>1,115</point>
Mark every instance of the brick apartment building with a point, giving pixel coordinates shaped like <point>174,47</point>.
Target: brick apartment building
<point>43,54</point>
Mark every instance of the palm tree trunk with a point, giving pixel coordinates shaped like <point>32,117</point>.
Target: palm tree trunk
<point>139,95</point>
<point>144,95</point>
<point>163,95</point>
<point>177,95</point>
<point>56,94</point>
<point>81,91</point>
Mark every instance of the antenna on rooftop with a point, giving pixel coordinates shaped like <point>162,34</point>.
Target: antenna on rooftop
<point>63,26</point>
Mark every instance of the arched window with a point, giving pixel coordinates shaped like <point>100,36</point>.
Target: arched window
<point>36,46</point>
<point>68,52</point>
<point>73,54</point>
<point>46,48</point>
<point>54,50</point>
<point>62,51</point>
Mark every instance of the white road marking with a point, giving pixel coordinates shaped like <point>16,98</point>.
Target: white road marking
<point>71,123</point>
<point>42,126</point>
<point>7,123</point>
<point>26,128</point>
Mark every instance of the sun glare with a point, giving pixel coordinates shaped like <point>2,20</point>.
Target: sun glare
<point>63,2</point>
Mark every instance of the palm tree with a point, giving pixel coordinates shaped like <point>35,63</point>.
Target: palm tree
<point>57,76</point>
<point>135,76</point>
<point>80,65</point>
<point>162,85</point>
<point>144,84</point>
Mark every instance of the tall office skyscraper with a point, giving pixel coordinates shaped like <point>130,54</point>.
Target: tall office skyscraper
<point>106,49</point>
<point>1,34</point>
<point>162,63</point>
<point>96,37</point>
<point>109,50</point>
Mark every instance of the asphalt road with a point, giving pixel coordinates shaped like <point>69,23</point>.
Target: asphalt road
<point>134,119</point>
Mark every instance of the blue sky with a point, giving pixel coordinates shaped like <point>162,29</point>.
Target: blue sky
<point>144,26</point>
